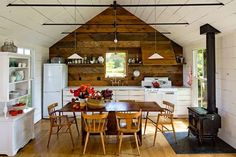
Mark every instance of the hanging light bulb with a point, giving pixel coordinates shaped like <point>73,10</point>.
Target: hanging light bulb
<point>115,40</point>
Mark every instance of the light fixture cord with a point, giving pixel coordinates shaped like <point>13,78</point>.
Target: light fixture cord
<point>115,31</point>
<point>75,27</point>
<point>155,27</point>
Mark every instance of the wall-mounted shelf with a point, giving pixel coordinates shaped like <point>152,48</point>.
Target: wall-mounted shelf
<point>181,63</point>
<point>98,65</point>
<point>22,81</point>
<point>18,68</point>
<point>19,97</point>
<point>135,64</point>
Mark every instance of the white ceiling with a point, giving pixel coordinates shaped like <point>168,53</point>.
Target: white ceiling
<point>26,22</point>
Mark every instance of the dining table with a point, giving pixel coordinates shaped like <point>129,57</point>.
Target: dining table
<point>112,108</point>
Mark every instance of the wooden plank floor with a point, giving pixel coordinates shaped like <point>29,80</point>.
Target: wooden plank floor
<point>62,146</point>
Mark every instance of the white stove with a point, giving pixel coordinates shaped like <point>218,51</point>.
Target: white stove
<point>164,82</point>
<point>165,92</point>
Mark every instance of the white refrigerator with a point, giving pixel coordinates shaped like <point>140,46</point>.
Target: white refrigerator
<point>55,78</point>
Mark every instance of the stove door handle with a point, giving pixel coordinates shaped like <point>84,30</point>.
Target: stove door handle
<point>169,93</point>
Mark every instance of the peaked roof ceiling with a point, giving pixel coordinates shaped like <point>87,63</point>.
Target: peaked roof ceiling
<point>25,23</point>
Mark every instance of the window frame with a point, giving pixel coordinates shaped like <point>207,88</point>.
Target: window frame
<point>126,63</point>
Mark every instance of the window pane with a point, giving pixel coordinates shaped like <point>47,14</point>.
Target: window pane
<point>20,50</point>
<point>116,64</point>
<point>201,77</point>
<point>27,51</point>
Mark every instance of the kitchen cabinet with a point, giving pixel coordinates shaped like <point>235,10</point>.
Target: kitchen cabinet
<point>15,83</point>
<point>16,132</point>
<point>129,94</point>
<point>180,97</point>
<point>184,100</point>
<point>119,93</point>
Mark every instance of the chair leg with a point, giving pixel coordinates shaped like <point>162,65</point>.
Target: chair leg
<point>58,128</point>
<point>120,142</point>
<point>71,136</point>
<point>145,124</point>
<point>139,141</point>
<point>86,142</point>
<point>105,137</point>
<point>136,140</point>
<point>118,137</point>
<point>49,138</point>
<point>103,145</point>
<point>76,124</point>
<point>174,132</point>
<point>155,135</point>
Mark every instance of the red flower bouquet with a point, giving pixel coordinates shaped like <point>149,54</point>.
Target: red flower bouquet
<point>83,92</point>
<point>86,91</point>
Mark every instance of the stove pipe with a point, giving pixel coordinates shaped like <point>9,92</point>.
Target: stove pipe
<point>211,66</point>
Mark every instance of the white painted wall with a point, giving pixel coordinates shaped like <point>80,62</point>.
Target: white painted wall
<point>41,55</point>
<point>225,82</point>
<point>226,87</point>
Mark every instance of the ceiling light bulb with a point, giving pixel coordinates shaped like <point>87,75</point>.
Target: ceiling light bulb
<point>115,40</point>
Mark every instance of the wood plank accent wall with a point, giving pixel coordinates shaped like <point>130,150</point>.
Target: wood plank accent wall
<point>136,40</point>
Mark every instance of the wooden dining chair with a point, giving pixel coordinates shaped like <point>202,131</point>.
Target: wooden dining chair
<point>73,120</point>
<point>95,123</point>
<point>164,118</point>
<point>58,121</point>
<point>132,125</point>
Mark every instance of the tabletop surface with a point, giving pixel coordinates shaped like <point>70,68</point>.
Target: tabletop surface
<point>117,107</point>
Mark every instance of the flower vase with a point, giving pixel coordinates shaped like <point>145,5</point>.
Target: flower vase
<point>82,103</point>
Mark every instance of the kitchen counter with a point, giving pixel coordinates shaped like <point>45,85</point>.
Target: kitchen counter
<point>127,87</point>
<point>180,96</point>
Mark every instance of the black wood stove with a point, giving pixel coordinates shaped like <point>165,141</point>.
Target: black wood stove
<point>205,123</point>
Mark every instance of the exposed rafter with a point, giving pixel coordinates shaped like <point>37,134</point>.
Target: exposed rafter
<point>117,24</point>
<point>112,5</point>
<point>106,32</point>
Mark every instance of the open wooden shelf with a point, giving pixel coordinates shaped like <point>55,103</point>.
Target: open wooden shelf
<point>97,65</point>
<point>135,64</point>
<point>181,63</point>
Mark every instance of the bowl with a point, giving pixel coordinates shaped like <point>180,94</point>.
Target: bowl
<point>95,104</point>
<point>19,106</point>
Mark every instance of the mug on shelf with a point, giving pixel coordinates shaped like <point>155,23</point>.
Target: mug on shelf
<point>19,64</point>
<point>23,65</point>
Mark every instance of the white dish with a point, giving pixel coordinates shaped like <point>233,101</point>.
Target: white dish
<point>136,73</point>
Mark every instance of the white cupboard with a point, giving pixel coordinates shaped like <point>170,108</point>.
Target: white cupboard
<point>16,132</point>
<point>15,81</point>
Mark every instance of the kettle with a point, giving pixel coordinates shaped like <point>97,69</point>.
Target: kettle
<point>156,84</point>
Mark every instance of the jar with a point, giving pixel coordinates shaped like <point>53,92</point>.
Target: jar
<point>9,47</point>
<point>13,47</point>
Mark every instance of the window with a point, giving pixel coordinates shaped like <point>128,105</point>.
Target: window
<point>201,77</point>
<point>24,51</point>
<point>116,64</point>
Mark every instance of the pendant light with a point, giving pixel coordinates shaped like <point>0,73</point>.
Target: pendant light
<point>155,55</point>
<point>75,55</point>
<point>115,39</point>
